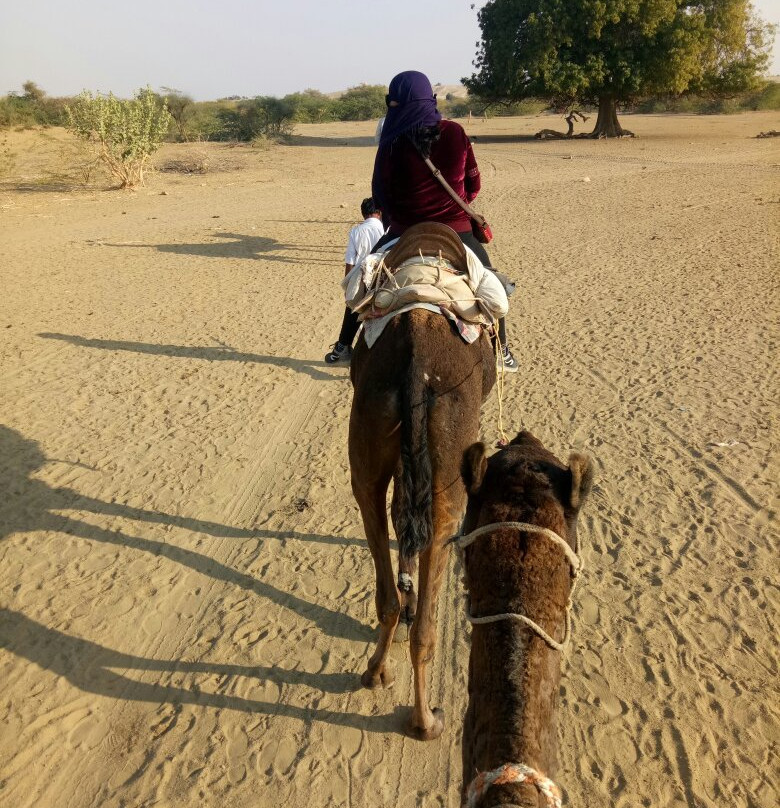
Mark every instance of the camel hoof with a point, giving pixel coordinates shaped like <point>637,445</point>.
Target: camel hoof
<point>430,734</point>
<point>372,681</point>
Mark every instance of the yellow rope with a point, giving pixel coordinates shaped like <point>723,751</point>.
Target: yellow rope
<point>503,439</point>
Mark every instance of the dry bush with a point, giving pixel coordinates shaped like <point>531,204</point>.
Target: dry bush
<point>193,162</point>
<point>7,158</point>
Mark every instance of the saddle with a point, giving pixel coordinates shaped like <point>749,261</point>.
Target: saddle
<point>428,238</point>
<point>428,264</point>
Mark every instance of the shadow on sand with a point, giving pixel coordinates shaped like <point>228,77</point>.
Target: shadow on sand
<point>31,505</point>
<point>238,245</point>
<point>88,667</point>
<point>217,353</point>
<point>335,141</point>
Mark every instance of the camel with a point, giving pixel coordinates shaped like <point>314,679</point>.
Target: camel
<point>520,554</point>
<point>417,397</point>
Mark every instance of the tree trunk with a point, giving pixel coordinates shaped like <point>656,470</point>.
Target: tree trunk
<point>607,124</point>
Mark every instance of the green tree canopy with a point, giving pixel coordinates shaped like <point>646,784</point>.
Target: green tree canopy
<point>612,51</point>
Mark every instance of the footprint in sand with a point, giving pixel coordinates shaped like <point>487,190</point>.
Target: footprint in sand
<point>277,756</point>
<point>598,687</point>
<point>589,610</point>
<point>167,715</point>
<point>89,732</point>
<point>236,753</point>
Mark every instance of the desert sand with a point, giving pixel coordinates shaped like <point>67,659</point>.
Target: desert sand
<point>186,593</point>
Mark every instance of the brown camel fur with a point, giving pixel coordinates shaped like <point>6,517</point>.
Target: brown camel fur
<point>514,675</point>
<point>416,405</point>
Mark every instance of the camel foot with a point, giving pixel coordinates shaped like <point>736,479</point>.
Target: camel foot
<point>374,680</point>
<point>430,734</point>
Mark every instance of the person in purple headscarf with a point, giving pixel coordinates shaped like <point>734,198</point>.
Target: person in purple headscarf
<point>406,190</point>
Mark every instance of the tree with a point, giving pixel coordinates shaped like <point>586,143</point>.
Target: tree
<point>608,52</point>
<point>33,93</point>
<point>125,132</point>
<point>181,107</point>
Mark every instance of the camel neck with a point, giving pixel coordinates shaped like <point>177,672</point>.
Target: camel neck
<point>512,699</point>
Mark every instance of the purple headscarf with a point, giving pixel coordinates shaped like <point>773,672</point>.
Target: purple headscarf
<point>416,106</point>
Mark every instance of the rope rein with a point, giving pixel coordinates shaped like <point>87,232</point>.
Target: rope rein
<point>500,379</point>
<point>513,773</point>
<point>572,556</point>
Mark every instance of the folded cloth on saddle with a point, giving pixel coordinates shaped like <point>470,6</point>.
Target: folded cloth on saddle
<point>372,329</point>
<point>430,264</point>
<point>425,280</point>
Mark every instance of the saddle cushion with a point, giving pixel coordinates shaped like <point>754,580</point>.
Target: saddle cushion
<point>428,238</point>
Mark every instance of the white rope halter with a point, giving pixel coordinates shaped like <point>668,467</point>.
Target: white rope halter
<point>513,773</point>
<point>572,556</point>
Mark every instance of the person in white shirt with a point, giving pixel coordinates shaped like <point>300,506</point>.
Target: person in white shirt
<point>362,238</point>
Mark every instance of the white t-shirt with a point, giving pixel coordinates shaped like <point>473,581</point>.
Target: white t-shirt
<point>378,133</point>
<point>362,238</point>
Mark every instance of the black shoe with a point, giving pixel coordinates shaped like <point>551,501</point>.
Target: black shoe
<point>340,353</point>
<point>508,362</point>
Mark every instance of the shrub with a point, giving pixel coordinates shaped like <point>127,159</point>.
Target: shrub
<point>262,117</point>
<point>361,103</point>
<point>31,108</point>
<point>125,133</point>
<point>311,106</point>
<point>7,157</point>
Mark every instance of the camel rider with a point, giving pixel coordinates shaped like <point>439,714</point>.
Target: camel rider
<point>362,238</point>
<point>404,186</point>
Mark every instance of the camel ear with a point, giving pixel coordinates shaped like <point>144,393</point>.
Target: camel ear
<point>474,467</point>
<point>581,467</point>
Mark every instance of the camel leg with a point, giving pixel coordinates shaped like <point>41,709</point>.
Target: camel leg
<point>449,499</point>
<point>426,724</point>
<point>370,490</point>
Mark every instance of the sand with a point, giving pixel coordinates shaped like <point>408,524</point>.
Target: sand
<point>186,593</point>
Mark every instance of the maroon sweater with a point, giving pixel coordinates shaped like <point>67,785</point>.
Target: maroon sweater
<point>411,194</point>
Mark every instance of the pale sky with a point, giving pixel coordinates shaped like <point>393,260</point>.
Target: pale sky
<point>212,49</point>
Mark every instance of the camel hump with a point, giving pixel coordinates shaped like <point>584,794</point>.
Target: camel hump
<point>428,238</point>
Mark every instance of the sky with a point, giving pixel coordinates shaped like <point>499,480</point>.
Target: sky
<point>216,48</point>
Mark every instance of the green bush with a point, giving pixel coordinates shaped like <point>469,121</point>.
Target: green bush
<point>262,117</point>
<point>311,106</point>
<point>766,98</point>
<point>125,133</point>
<point>31,108</point>
<point>362,103</point>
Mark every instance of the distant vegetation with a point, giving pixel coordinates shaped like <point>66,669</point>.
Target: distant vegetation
<point>266,117</point>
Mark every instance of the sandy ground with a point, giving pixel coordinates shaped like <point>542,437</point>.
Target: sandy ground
<point>187,598</point>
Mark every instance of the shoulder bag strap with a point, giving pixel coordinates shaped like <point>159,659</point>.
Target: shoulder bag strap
<point>462,202</point>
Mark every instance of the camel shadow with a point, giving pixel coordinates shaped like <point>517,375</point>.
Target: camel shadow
<point>31,505</point>
<point>235,245</point>
<point>336,141</point>
<point>88,667</point>
<point>217,353</point>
